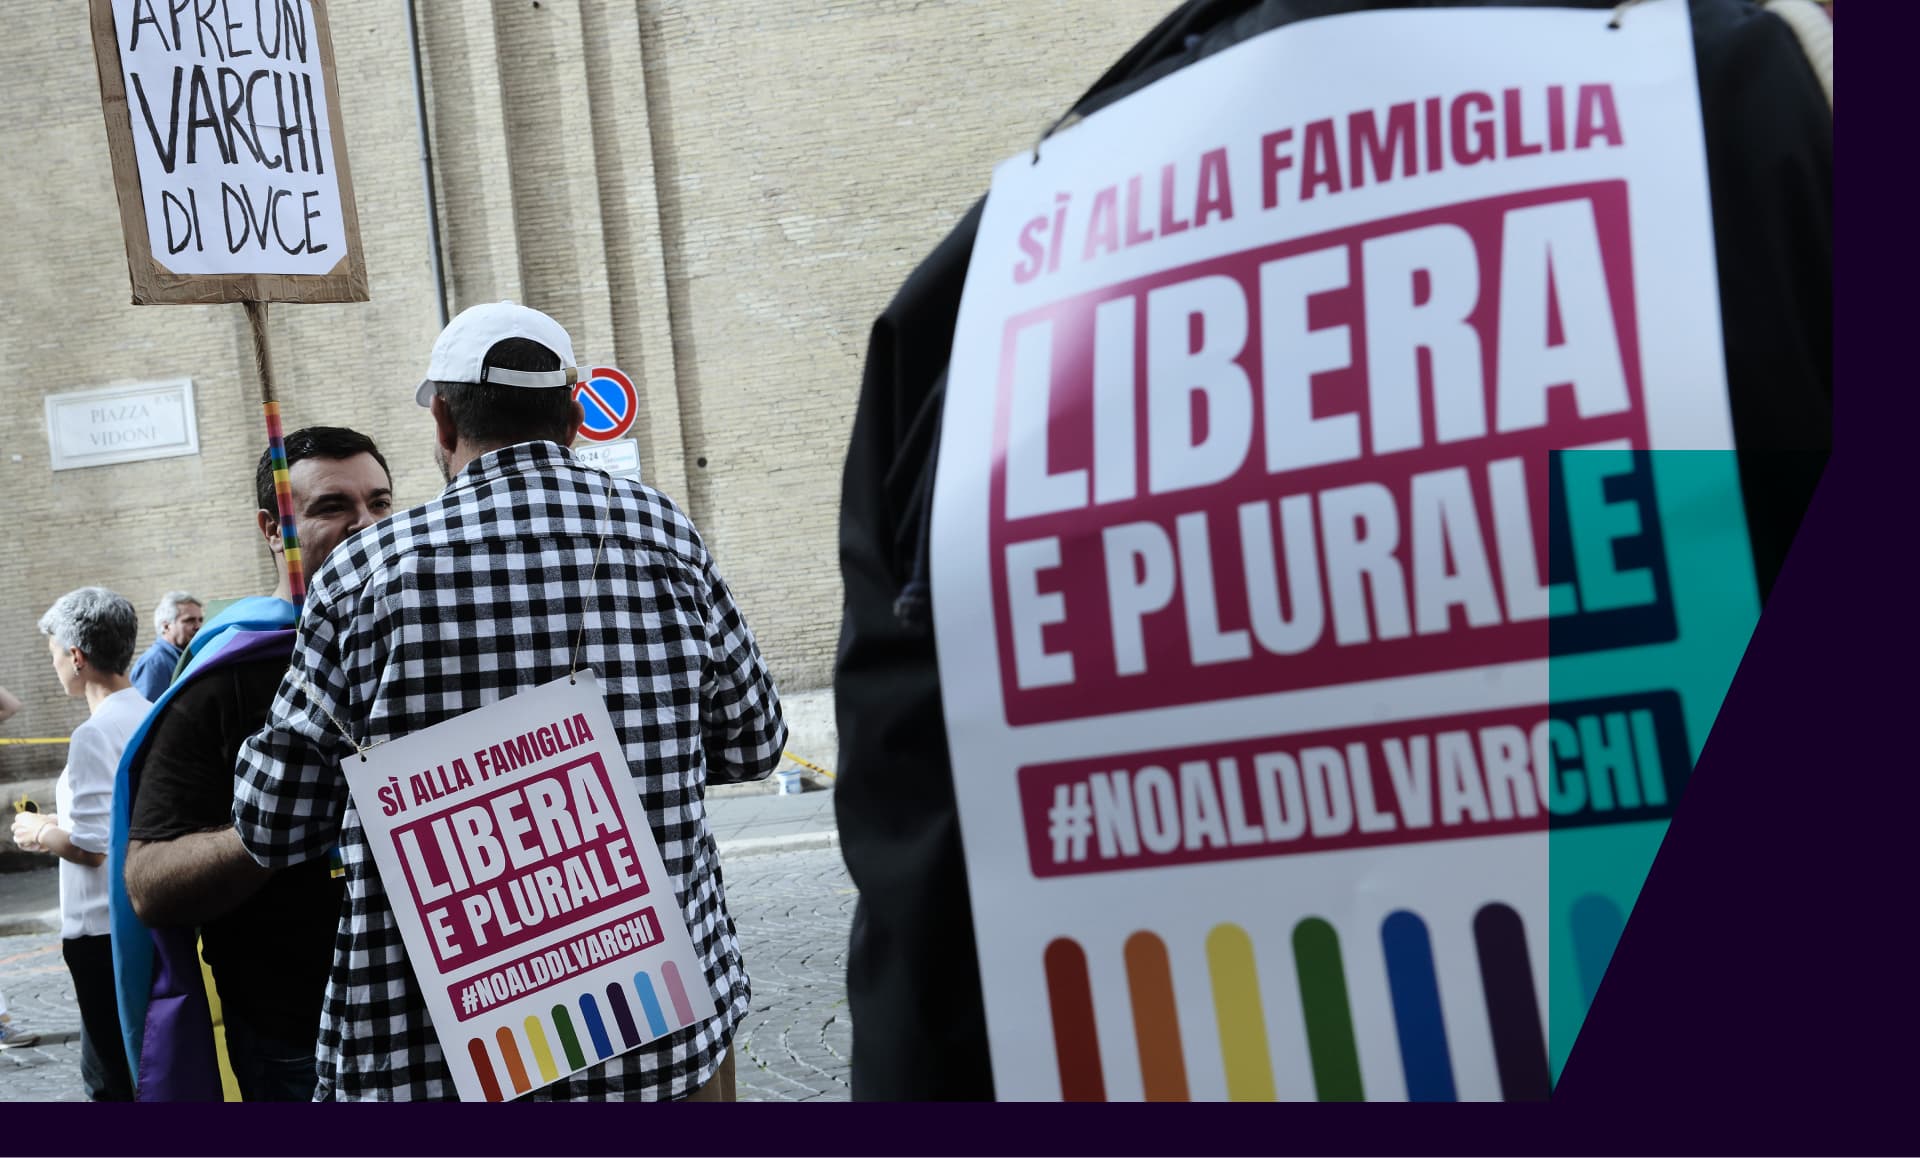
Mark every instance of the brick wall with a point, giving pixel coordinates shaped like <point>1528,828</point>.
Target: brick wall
<point>718,197</point>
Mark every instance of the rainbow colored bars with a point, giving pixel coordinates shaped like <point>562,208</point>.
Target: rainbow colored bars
<point>1513,1011</point>
<point>578,1049</point>
<point>283,493</point>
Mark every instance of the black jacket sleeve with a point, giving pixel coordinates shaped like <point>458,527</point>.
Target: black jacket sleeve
<point>1770,173</point>
<point>913,982</point>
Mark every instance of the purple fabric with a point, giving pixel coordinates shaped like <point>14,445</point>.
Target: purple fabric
<point>178,1062</point>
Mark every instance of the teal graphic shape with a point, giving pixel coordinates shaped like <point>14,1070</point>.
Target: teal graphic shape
<point>1715,602</point>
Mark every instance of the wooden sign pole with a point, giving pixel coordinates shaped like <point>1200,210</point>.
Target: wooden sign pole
<point>276,447</point>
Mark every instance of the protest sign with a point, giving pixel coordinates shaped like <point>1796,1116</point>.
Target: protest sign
<point>1336,530</point>
<point>539,918</point>
<point>223,123</point>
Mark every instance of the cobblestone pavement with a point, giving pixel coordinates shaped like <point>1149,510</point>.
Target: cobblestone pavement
<point>39,995</point>
<point>792,910</point>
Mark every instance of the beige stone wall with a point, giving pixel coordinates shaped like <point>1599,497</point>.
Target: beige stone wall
<point>718,197</point>
<point>65,324</point>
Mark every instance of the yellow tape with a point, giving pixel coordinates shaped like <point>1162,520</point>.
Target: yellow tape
<point>807,764</point>
<point>811,767</point>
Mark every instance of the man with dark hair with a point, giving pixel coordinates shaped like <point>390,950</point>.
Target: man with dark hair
<point>268,935</point>
<point>500,412</point>
<point>482,593</point>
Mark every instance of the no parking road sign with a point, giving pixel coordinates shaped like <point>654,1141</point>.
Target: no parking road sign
<point>609,403</point>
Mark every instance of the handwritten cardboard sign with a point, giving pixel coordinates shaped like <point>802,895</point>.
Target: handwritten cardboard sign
<point>223,122</point>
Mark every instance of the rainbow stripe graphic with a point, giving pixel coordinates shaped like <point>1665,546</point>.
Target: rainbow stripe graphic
<point>534,1037</point>
<point>1421,1027</point>
<point>1512,1003</point>
<point>1236,1009</point>
<point>283,492</point>
<point>1163,1066</point>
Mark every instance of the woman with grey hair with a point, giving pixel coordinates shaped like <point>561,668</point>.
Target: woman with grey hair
<point>90,635</point>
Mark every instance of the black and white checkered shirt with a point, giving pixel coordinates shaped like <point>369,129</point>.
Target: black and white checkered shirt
<point>469,599</point>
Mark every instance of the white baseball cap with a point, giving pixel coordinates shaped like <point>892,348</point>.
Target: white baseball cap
<point>461,353</point>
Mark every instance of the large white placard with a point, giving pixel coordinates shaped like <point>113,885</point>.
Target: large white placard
<point>1250,540</point>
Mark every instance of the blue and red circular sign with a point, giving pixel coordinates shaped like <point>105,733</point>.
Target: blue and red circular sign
<point>608,402</point>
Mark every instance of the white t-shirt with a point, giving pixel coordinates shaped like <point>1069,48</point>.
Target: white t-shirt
<point>83,798</point>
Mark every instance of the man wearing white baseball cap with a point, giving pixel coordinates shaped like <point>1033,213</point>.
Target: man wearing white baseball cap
<point>461,354</point>
<point>474,597</point>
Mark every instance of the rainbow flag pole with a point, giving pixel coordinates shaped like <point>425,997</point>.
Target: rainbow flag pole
<point>277,448</point>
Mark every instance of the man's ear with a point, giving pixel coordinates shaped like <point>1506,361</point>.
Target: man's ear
<point>270,531</point>
<point>579,420</point>
<point>444,432</point>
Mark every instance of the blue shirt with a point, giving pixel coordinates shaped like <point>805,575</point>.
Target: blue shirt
<point>155,670</point>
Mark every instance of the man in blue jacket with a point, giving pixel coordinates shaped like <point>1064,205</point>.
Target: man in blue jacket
<point>178,617</point>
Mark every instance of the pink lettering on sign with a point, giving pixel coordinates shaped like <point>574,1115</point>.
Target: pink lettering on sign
<point>499,869</point>
<point>1319,462</point>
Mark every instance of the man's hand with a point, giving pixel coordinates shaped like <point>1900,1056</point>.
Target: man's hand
<point>191,879</point>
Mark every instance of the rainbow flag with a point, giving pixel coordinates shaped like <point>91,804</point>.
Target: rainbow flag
<point>166,1020</point>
